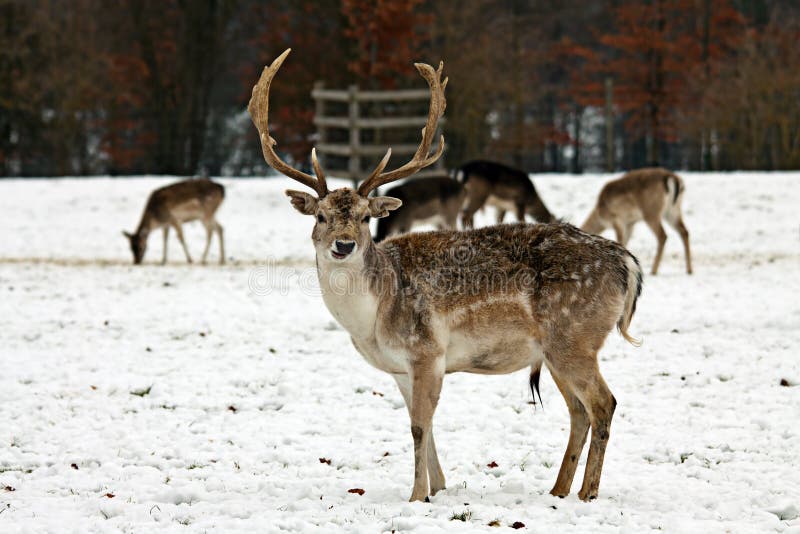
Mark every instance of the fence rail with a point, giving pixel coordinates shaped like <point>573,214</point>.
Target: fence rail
<point>354,123</point>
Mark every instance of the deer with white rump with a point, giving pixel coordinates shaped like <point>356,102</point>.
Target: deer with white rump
<point>650,195</point>
<point>490,301</point>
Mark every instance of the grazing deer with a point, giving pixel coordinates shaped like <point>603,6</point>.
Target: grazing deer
<point>175,204</point>
<point>505,188</point>
<point>494,300</point>
<point>437,199</point>
<point>645,194</point>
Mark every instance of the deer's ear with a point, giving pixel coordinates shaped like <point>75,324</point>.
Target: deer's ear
<point>381,206</point>
<point>127,234</point>
<point>303,202</point>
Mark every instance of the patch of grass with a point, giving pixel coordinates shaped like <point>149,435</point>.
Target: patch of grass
<point>524,462</point>
<point>5,469</point>
<point>464,516</point>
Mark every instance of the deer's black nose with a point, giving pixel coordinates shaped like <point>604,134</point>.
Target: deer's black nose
<point>345,247</point>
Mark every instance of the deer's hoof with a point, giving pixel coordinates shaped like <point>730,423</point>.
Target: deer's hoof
<point>418,498</point>
<point>559,493</point>
<point>587,496</point>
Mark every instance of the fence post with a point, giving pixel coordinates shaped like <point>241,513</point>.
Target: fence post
<point>354,164</point>
<point>609,125</point>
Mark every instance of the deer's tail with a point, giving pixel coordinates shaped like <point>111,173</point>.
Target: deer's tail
<point>533,381</point>
<point>674,186</point>
<point>632,291</point>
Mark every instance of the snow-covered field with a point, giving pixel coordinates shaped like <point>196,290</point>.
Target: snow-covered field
<point>204,398</point>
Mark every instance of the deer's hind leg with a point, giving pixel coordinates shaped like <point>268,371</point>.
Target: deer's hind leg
<point>579,428</point>
<point>580,376</point>
<point>220,233</point>
<point>600,405</point>
<point>210,227</point>
<point>165,231</point>
<point>655,225</point>
<point>675,220</point>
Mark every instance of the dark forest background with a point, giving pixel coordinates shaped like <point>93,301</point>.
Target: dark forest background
<point>161,86</point>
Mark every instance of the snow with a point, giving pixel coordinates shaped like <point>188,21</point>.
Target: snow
<point>203,398</point>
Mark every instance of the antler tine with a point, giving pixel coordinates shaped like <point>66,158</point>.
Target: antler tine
<point>381,165</point>
<point>318,170</point>
<point>258,107</point>
<point>421,158</point>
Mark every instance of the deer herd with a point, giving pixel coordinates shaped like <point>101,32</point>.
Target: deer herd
<point>491,300</point>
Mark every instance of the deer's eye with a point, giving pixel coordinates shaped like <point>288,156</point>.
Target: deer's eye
<point>320,218</point>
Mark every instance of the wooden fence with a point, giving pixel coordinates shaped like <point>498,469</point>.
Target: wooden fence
<point>354,153</point>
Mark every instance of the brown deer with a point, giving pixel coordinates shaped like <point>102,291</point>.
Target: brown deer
<point>171,206</point>
<point>504,187</point>
<point>648,195</point>
<point>494,300</point>
<point>436,199</point>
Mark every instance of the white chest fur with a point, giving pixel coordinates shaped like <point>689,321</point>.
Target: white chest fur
<point>346,294</point>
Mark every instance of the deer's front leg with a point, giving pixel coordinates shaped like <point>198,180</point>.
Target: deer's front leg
<point>426,384</point>
<point>177,226</point>
<point>435,473</point>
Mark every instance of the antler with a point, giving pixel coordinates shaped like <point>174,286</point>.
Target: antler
<point>421,158</point>
<point>259,111</point>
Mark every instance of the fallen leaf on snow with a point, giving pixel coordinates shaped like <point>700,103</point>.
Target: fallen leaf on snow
<point>356,490</point>
<point>325,461</point>
<point>492,465</point>
<point>518,524</point>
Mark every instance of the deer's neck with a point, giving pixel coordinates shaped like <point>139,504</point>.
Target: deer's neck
<point>593,223</point>
<point>146,224</point>
<point>351,290</point>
